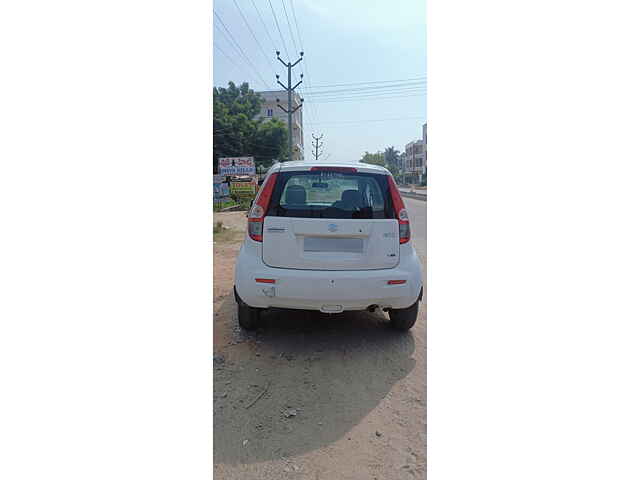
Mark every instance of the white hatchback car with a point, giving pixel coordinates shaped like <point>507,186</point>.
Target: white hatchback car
<point>330,237</point>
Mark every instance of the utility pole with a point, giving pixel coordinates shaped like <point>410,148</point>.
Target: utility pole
<point>317,145</point>
<point>289,89</point>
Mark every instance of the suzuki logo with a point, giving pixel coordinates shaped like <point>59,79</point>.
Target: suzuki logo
<point>333,227</point>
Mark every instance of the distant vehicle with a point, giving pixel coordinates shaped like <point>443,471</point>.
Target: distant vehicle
<point>332,237</point>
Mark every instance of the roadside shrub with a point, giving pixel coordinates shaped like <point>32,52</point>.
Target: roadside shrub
<point>245,203</point>
<point>219,206</point>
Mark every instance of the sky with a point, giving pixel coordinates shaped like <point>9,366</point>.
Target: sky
<point>344,42</point>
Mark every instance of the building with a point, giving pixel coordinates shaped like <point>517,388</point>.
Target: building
<point>424,139</point>
<point>402,161</point>
<point>415,154</point>
<point>270,109</point>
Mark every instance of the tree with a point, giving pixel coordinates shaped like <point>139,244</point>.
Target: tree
<point>237,129</point>
<point>391,157</point>
<point>373,158</point>
<point>393,170</point>
<point>270,142</point>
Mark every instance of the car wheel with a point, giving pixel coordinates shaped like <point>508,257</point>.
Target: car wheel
<point>404,318</point>
<point>248,317</point>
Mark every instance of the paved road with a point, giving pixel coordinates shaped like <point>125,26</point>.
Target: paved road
<point>405,189</point>
<point>418,217</point>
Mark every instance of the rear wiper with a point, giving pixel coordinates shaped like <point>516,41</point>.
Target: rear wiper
<point>363,213</point>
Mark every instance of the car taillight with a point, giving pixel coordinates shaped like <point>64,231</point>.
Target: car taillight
<point>401,212</point>
<point>259,209</point>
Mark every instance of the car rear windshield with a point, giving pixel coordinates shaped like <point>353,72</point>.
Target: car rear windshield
<point>327,194</point>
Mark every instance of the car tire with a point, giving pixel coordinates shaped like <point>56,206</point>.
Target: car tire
<point>404,318</point>
<point>248,317</point>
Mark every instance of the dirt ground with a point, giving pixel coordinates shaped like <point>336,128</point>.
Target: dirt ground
<point>314,396</point>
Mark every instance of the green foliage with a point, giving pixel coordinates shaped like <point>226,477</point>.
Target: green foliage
<point>393,169</point>
<point>219,206</point>
<point>270,142</point>
<point>239,132</point>
<point>389,159</point>
<point>391,156</point>
<point>242,199</point>
<point>373,158</point>
<point>245,203</point>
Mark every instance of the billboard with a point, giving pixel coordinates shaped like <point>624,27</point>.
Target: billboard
<point>244,189</point>
<point>236,166</point>
<point>220,190</point>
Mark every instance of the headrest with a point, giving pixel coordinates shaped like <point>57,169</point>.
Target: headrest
<point>352,197</point>
<point>295,194</point>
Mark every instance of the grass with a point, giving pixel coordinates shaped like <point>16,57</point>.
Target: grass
<point>243,202</point>
<point>219,206</point>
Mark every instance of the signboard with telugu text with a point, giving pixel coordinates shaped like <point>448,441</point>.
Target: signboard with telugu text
<point>236,166</point>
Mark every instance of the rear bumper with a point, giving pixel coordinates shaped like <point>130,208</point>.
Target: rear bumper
<point>326,290</point>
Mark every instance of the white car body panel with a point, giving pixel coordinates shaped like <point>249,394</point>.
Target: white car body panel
<point>315,289</point>
<point>310,243</point>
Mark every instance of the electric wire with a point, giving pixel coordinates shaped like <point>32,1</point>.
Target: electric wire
<point>371,120</point>
<point>284,44</point>
<point>241,67</point>
<point>246,22</point>
<point>239,48</point>
<point>367,99</point>
<point>381,89</point>
<point>369,94</point>
<point>215,45</point>
<point>289,24</point>
<point>374,82</point>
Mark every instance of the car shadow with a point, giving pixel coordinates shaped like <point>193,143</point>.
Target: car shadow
<point>323,375</point>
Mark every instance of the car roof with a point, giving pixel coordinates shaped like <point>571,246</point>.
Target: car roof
<point>303,166</point>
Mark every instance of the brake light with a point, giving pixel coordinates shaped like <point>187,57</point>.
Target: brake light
<point>401,213</point>
<point>334,169</point>
<point>396,282</point>
<point>259,209</point>
<point>265,280</point>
